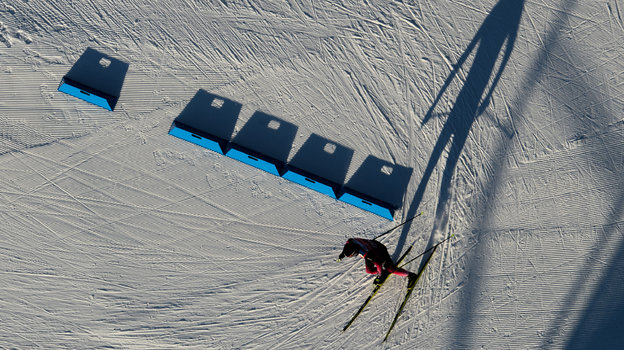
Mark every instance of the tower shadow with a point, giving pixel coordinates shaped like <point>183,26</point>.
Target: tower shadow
<point>600,326</point>
<point>497,34</point>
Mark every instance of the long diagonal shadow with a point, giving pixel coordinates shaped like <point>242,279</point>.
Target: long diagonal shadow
<point>600,325</point>
<point>497,33</point>
<point>589,316</point>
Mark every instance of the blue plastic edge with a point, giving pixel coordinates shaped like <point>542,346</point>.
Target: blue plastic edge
<point>366,205</point>
<point>306,181</point>
<point>252,160</point>
<point>84,95</point>
<point>196,139</point>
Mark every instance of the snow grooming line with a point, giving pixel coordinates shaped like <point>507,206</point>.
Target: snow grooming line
<point>265,141</point>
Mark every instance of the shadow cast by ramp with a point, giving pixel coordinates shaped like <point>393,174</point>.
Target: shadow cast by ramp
<point>96,78</point>
<point>207,120</point>
<point>264,142</point>
<point>320,164</point>
<point>377,186</point>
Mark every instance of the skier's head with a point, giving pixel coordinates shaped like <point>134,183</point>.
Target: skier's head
<point>349,250</point>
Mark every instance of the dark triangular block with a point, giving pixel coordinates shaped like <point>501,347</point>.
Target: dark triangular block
<point>207,120</point>
<point>264,142</point>
<point>377,186</point>
<point>96,78</point>
<point>320,164</point>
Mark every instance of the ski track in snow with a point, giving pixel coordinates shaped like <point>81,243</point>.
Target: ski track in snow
<point>115,234</point>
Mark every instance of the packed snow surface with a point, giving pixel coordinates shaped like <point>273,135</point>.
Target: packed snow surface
<point>114,234</point>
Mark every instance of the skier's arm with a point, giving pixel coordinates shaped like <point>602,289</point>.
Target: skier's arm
<point>451,76</point>
<point>372,267</point>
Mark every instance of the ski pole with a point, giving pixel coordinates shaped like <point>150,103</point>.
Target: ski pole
<point>428,250</point>
<point>399,225</point>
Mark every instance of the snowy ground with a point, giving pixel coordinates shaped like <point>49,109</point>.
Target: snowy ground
<point>115,234</point>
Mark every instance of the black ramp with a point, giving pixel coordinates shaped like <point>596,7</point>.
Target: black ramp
<point>208,116</point>
<point>320,164</point>
<point>378,186</point>
<point>264,137</point>
<point>324,158</point>
<point>96,74</point>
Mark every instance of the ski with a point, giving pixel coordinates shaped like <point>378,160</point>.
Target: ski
<point>377,286</point>
<point>410,289</point>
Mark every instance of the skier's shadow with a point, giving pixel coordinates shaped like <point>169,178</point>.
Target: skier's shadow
<point>497,33</point>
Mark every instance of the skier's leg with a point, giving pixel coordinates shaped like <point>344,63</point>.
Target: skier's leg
<point>397,270</point>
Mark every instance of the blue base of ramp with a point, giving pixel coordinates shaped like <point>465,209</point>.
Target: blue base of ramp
<point>254,159</point>
<point>312,182</point>
<point>85,93</point>
<point>197,138</point>
<point>367,204</point>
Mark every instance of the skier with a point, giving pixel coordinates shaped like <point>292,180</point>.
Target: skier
<point>377,259</point>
